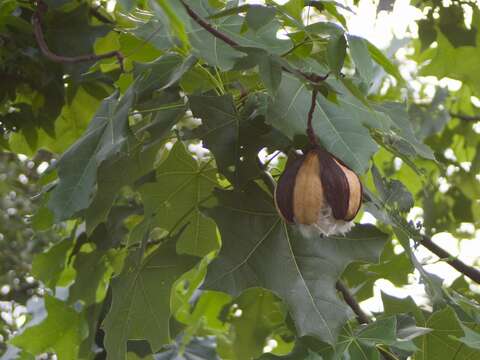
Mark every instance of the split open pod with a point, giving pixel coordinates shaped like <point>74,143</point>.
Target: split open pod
<point>319,193</point>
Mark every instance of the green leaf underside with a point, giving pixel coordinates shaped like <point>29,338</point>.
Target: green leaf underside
<point>260,250</point>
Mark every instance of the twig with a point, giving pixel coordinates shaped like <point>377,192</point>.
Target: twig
<point>42,44</point>
<point>457,264</point>
<point>313,78</point>
<point>465,117</point>
<point>352,302</point>
<point>312,138</point>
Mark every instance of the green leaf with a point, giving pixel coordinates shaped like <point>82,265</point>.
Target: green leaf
<point>430,120</point>
<point>141,299</point>
<point>68,126</point>
<point>48,266</point>
<point>446,63</point>
<point>231,11</point>
<point>216,53</point>
<point>158,74</point>
<point>220,130</point>
<point>236,138</point>
<point>404,129</point>
<point>61,332</point>
<point>206,312</point>
<point>107,137</point>
<point>379,57</point>
<point>336,50</point>
<point>339,127</point>
<point>155,32</point>
<point>262,313</point>
<point>294,8</point>
<point>43,219</point>
<point>471,338</point>
<point>271,73</point>
<point>177,74</point>
<point>259,250</point>
<point>118,171</point>
<point>196,349</point>
<point>392,266</point>
<point>175,22</point>
<point>407,329</point>
<point>259,16</point>
<point>73,27</point>
<point>360,343</point>
<point>77,167</point>
<point>325,27</point>
<point>440,343</point>
<point>382,331</point>
<point>93,275</point>
<point>427,33</point>
<point>125,168</point>
<point>331,7</point>
<point>361,57</point>
<point>181,186</point>
<point>392,192</point>
<point>452,24</point>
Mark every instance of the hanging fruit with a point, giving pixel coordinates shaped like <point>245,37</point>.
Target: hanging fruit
<point>317,191</point>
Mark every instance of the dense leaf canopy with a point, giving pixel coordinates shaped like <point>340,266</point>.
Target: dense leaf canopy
<point>140,145</point>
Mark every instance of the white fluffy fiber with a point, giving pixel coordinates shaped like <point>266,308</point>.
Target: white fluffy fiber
<point>326,224</point>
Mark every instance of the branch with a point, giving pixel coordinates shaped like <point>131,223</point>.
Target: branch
<point>312,138</point>
<point>465,117</point>
<point>457,264</point>
<point>42,44</point>
<point>311,77</point>
<point>362,317</point>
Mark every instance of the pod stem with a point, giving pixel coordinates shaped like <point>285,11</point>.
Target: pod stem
<point>312,137</point>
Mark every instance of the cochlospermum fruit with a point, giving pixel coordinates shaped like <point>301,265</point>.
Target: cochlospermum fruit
<point>319,193</point>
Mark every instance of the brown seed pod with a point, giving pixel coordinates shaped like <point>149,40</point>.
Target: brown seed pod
<point>319,191</point>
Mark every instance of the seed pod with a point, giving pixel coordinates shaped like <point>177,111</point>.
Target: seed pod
<point>318,191</point>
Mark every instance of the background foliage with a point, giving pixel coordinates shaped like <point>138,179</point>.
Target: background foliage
<point>137,220</point>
